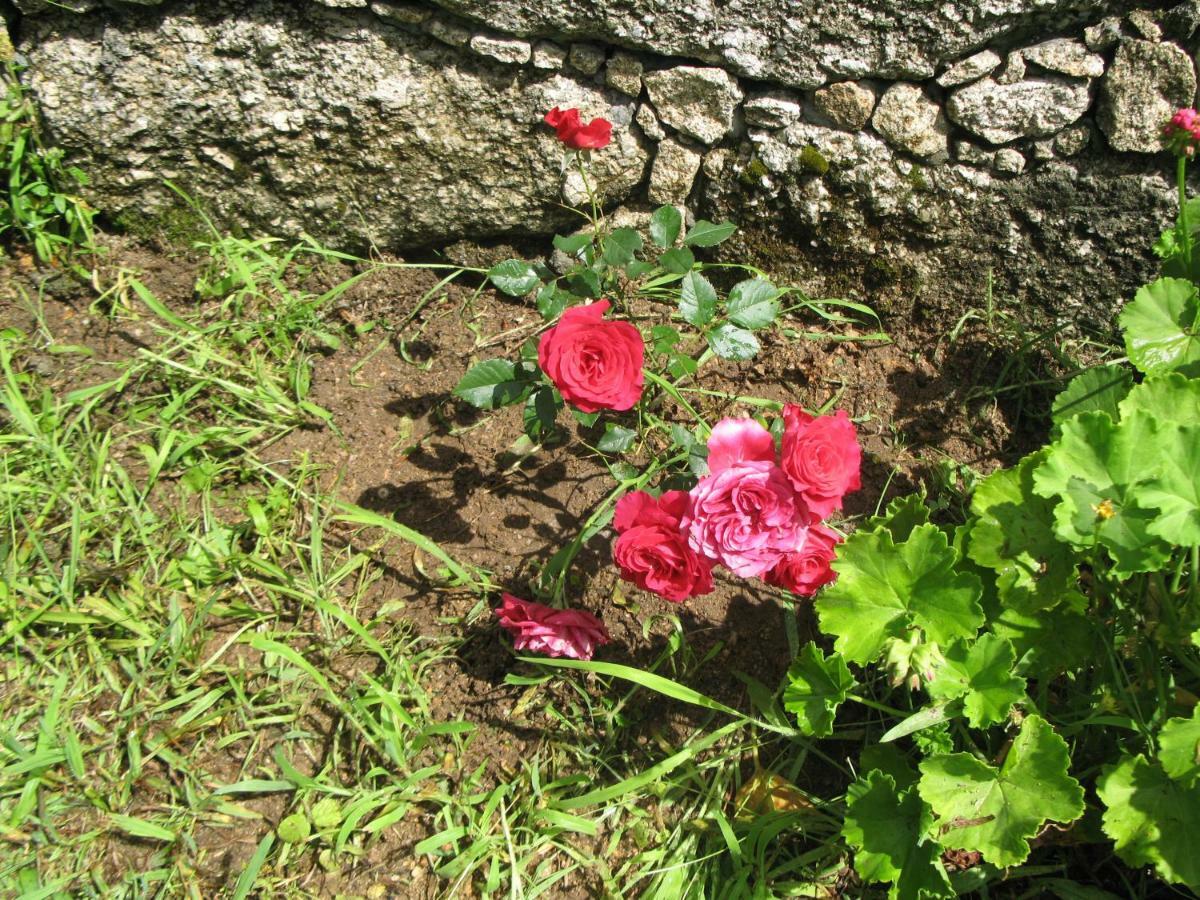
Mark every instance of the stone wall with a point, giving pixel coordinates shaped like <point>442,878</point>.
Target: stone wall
<point>918,148</point>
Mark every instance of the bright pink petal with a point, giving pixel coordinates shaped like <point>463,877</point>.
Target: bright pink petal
<point>738,440</point>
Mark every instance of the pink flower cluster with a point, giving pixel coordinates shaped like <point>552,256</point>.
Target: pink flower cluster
<point>758,516</point>
<point>1182,134</point>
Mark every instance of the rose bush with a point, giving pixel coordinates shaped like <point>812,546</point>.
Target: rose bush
<point>594,363</point>
<point>570,129</point>
<point>822,457</point>
<point>652,549</point>
<point>555,632</point>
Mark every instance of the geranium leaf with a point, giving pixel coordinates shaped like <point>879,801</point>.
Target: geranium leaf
<point>884,589</point>
<point>997,811</point>
<point>889,831</point>
<point>1175,491</point>
<point>1014,535</point>
<point>493,383</point>
<point>706,234</point>
<point>697,299</point>
<point>1179,748</point>
<point>1101,389</point>
<point>1168,398</point>
<point>730,342</point>
<point>1160,327</point>
<point>1152,819</point>
<point>981,673</point>
<point>514,277</point>
<point>903,515</point>
<point>1048,641</point>
<point>665,225</point>
<point>752,303</point>
<point>816,686</point>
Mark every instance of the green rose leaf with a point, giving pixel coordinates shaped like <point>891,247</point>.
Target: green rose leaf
<point>884,589</point>
<point>697,449</point>
<point>584,283</point>
<point>587,420</point>
<point>816,687</point>
<point>1014,535</point>
<point>620,246</point>
<point>1152,820</point>
<point>1179,748</point>
<point>1099,389</point>
<point>514,277</point>
<point>493,383</point>
<point>295,829</point>
<point>1160,327</point>
<point>638,268</point>
<point>981,673</point>
<point>1175,491</point>
<point>616,439</point>
<point>572,243</point>
<point>551,302</point>
<point>752,303</point>
<point>678,261</point>
<point>889,831</point>
<point>997,811</point>
<point>541,411</point>
<point>730,342</point>
<point>1168,398</point>
<point>697,299</point>
<point>706,234</point>
<point>665,225</point>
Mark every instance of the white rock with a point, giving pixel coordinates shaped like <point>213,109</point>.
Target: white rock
<point>586,59</point>
<point>649,123</point>
<point>910,121</point>
<point>548,55</point>
<point>970,69</point>
<point>624,73</point>
<point>777,109</point>
<point>1144,86</point>
<point>449,32</point>
<point>846,105</point>
<point>697,101</point>
<point>1009,161</point>
<point>1104,34</point>
<point>1014,69</point>
<point>512,51</point>
<point>674,171</point>
<point>1072,140</point>
<point>1036,107</point>
<point>1066,57</point>
<point>404,13</point>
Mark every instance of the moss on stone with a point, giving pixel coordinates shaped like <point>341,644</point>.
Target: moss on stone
<point>753,173</point>
<point>812,161</point>
<point>177,225</point>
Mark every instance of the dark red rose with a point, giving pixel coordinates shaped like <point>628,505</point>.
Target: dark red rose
<point>572,132</point>
<point>807,570</point>
<point>822,458</point>
<point>595,364</point>
<point>652,547</point>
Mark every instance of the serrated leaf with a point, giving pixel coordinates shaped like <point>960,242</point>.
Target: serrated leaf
<point>637,268</point>
<point>620,246</point>
<point>1152,819</point>
<point>514,277</point>
<point>587,420</point>
<point>816,686</point>
<point>902,515</point>
<point>997,811</point>
<point>730,342</point>
<point>706,234</point>
<point>678,261</point>
<point>551,302</point>
<point>1175,490</point>
<point>885,589</point>
<point>327,813</point>
<point>616,439</point>
<point>572,243</point>
<point>1160,327</point>
<point>697,449</point>
<point>752,303</point>
<point>584,283</point>
<point>1101,389</point>
<point>1014,535</point>
<point>663,338</point>
<point>697,299</point>
<point>295,829</point>
<point>540,413</point>
<point>1168,398</point>
<point>981,673</point>
<point>889,831</point>
<point>665,225</point>
<point>1048,641</point>
<point>493,383</point>
<point>1179,748</point>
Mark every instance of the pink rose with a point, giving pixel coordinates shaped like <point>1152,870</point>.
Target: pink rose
<point>652,549</point>
<point>822,457</point>
<point>745,513</point>
<point>595,364</point>
<point>555,632</point>
<point>807,570</point>
<point>571,131</point>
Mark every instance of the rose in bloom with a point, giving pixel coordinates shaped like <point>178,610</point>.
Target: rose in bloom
<point>555,632</point>
<point>594,363</point>
<point>822,458</point>
<point>745,513</point>
<point>652,549</point>
<point>572,132</point>
<point>807,569</point>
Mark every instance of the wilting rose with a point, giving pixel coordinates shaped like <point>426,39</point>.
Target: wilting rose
<point>555,632</point>
<point>572,132</point>
<point>745,513</point>
<point>594,363</point>
<point>652,549</point>
<point>806,570</point>
<point>822,458</point>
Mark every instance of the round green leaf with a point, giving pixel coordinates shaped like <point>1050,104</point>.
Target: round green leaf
<point>706,234</point>
<point>697,299</point>
<point>816,686</point>
<point>752,303</point>
<point>514,277</point>
<point>327,813</point>
<point>730,342</point>
<point>1160,327</point>
<point>295,829</point>
<point>665,225</point>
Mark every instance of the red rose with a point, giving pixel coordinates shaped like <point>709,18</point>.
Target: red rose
<point>652,550</point>
<point>572,132</point>
<point>822,458</point>
<point>555,632</point>
<point>595,364</point>
<point>808,569</point>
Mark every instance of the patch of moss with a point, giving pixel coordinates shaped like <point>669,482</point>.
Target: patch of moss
<point>178,225</point>
<point>754,172</point>
<point>916,178</point>
<point>812,161</point>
